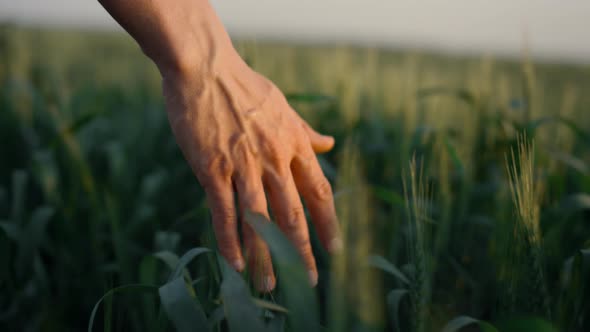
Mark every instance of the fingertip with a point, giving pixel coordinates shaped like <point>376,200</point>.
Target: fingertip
<point>234,257</point>
<point>322,143</point>
<point>313,277</point>
<point>239,264</point>
<point>262,276</point>
<point>329,141</point>
<point>266,284</point>
<point>259,263</point>
<point>335,245</point>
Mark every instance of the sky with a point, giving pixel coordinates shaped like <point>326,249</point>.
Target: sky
<point>551,29</point>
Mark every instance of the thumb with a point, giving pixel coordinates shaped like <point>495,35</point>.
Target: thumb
<point>320,143</point>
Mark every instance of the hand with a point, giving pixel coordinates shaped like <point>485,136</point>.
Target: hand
<point>236,129</point>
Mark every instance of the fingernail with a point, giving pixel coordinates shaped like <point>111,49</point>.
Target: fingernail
<point>313,277</point>
<point>335,245</point>
<point>268,284</point>
<point>238,264</point>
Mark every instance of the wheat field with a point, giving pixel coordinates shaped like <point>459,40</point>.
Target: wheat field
<point>462,187</point>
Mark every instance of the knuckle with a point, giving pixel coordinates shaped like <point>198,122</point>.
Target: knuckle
<point>279,176</point>
<point>219,164</point>
<point>275,154</point>
<point>294,217</point>
<point>241,149</point>
<point>321,189</point>
<point>305,157</point>
<point>278,160</point>
<point>295,228</point>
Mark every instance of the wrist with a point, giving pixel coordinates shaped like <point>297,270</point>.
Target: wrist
<point>190,62</point>
<point>190,38</point>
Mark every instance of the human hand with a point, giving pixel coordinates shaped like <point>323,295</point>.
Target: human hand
<point>237,130</point>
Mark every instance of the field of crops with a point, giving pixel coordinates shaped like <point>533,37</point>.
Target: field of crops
<point>462,186</point>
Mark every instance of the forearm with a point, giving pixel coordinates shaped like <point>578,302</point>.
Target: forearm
<point>178,35</point>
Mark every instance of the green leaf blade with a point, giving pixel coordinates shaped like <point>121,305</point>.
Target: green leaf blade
<point>292,276</point>
<point>139,288</point>
<point>458,323</point>
<point>383,264</point>
<point>182,309</point>
<point>240,311</point>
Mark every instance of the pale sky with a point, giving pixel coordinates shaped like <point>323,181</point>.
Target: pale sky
<point>555,29</point>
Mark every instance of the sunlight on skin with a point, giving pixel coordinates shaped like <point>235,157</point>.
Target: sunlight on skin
<point>235,129</point>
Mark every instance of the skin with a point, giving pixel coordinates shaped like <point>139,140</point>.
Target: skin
<point>237,132</point>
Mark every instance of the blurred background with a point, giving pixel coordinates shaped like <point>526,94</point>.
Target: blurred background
<point>461,171</point>
<point>553,31</point>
